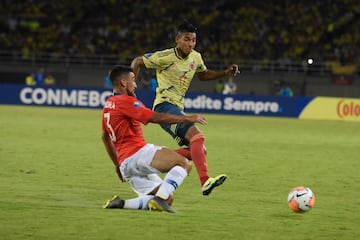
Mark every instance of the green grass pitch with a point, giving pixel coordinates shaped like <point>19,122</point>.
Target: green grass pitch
<point>55,176</point>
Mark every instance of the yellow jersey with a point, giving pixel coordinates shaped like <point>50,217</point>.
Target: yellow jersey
<point>174,74</point>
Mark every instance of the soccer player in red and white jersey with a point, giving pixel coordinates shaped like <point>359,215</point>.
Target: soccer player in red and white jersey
<point>175,68</point>
<point>138,162</point>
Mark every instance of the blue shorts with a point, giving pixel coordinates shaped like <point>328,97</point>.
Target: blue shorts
<point>177,131</point>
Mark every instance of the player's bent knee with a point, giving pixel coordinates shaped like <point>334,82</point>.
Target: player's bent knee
<point>185,163</point>
<point>188,166</point>
<point>197,137</point>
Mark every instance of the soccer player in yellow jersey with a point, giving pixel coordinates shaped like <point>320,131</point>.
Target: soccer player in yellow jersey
<point>175,69</point>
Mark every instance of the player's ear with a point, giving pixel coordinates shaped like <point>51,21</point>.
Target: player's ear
<point>122,82</point>
<point>177,37</point>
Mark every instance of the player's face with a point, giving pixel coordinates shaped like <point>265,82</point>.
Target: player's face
<point>185,43</point>
<point>131,84</point>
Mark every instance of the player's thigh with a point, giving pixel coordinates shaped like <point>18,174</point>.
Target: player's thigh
<point>177,131</point>
<point>165,159</point>
<point>138,164</point>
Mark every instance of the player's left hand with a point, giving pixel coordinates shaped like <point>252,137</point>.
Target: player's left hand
<point>233,69</point>
<point>196,118</point>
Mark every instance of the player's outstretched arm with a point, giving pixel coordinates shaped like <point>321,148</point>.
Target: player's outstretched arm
<point>233,69</point>
<point>172,119</point>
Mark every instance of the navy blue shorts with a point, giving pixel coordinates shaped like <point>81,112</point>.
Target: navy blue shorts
<point>177,131</point>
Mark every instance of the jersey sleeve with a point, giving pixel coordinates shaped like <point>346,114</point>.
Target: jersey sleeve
<point>135,109</point>
<point>201,67</point>
<point>151,60</point>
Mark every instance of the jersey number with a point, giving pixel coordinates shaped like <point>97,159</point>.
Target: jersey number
<point>112,135</point>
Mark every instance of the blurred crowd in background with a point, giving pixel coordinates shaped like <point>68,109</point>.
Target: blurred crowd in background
<point>277,30</point>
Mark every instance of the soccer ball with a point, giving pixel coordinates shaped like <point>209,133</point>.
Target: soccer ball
<point>301,199</point>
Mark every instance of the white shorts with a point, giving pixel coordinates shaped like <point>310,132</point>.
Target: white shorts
<point>136,170</point>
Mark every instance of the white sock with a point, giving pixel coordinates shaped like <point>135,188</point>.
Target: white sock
<point>139,203</point>
<point>172,181</point>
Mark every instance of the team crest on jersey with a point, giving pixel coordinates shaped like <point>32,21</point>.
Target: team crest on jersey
<point>192,66</point>
<point>137,104</point>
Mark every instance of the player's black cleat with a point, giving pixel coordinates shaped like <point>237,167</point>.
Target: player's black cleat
<point>159,204</point>
<point>115,202</point>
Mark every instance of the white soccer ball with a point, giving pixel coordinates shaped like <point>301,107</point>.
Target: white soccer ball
<point>301,199</point>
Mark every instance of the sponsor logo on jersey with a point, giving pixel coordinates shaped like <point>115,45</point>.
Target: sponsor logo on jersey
<point>137,104</point>
<point>147,55</point>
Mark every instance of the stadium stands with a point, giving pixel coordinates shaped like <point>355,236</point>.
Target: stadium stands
<point>258,30</point>
<point>270,40</point>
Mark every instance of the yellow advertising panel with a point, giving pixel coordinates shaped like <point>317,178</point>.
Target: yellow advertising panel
<point>347,109</point>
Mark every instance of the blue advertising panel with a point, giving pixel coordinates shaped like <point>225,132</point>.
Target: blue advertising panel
<point>241,104</point>
<point>237,104</point>
<point>254,105</point>
<point>60,97</point>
